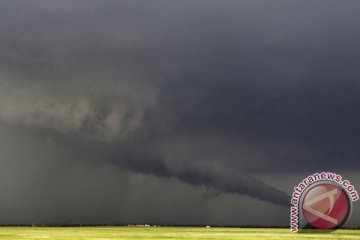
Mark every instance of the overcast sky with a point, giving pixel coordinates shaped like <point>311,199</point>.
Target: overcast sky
<point>174,112</point>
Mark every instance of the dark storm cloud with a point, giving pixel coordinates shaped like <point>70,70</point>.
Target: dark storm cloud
<point>207,93</point>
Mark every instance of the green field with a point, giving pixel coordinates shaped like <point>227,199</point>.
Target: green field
<point>103,233</point>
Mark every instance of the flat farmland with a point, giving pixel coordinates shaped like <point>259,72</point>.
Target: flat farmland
<point>191,233</point>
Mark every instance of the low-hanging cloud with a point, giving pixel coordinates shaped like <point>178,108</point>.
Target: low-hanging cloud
<point>83,119</point>
<point>72,117</point>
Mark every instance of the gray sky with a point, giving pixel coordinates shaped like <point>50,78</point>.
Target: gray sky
<point>174,112</point>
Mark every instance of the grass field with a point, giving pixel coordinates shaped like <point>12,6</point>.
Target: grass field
<point>103,233</point>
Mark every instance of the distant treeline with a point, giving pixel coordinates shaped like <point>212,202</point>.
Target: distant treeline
<point>147,225</point>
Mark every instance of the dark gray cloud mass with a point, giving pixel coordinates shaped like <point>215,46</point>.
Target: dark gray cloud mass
<point>112,110</point>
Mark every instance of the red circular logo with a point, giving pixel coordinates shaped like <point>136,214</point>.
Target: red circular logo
<point>325,206</point>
